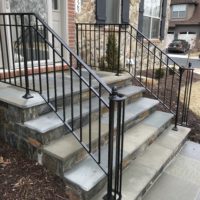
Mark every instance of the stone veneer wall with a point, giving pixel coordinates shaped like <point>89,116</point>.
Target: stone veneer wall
<point>11,125</point>
<point>87,15</point>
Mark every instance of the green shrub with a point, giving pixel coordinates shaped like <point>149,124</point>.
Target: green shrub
<point>112,53</point>
<point>159,73</point>
<point>172,70</point>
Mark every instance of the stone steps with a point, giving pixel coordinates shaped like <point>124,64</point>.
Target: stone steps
<point>146,168</point>
<point>48,127</point>
<point>64,157</point>
<point>136,140</point>
<point>35,107</point>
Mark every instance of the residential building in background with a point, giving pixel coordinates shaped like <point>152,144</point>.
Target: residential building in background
<point>185,22</point>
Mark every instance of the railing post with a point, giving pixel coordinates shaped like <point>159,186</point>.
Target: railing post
<point>181,70</point>
<point>27,94</point>
<point>119,47</point>
<point>114,185</point>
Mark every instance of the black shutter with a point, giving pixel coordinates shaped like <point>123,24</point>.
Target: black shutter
<point>141,12</point>
<point>125,11</point>
<point>100,11</point>
<point>163,20</point>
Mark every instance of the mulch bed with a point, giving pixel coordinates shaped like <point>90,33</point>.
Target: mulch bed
<point>165,90</point>
<point>24,179</point>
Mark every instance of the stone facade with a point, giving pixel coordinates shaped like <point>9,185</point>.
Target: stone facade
<point>93,51</point>
<point>87,14</point>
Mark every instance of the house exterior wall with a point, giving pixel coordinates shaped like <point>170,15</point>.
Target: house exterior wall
<point>71,23</point>
<point>189,13</point>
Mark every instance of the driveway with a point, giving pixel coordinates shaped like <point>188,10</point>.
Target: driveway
<point>183,60</point>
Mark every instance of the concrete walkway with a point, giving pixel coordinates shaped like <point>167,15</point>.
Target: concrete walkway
<point>181,179</point>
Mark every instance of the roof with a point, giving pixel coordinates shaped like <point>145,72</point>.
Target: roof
<point>194,20</point>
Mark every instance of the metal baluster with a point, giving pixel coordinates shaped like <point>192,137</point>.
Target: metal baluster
<point>181,70</point>
<point>81,101</point>
<point>6,46</point>
<point>31,46</point>
<point>160,68</point>
<point>172,85</point>
<point>166,72</point>
<point>46,63</point>
<point>119,47</point>
<point>27,94</point>
<point>141,62</point>
<point>18,51</point>
<point>90,113</point>
<point>54,73</point>
<point>99,138</point>
<point>72,92</point>
<point>12,50</point>
<point>63,83</point>
<point>38,52</point>
<point>2,55</point>
<point>147,70</point>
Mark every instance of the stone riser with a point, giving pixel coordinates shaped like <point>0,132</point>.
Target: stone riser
<point>81,154</point>
<point>151,182</point>
<point>127,161</point>
<point>47,137</point>
<point>33,112</point>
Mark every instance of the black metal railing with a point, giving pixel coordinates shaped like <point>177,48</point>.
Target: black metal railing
<point>121,47</point>
<point>61,78</point>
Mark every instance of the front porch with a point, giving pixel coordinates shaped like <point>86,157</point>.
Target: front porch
<point>93,129</point>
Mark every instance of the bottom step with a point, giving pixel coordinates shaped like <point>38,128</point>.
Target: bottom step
<point>181,179</point>
<point>144,170</point>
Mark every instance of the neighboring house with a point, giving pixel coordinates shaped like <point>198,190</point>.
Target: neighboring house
<point>185,22</point>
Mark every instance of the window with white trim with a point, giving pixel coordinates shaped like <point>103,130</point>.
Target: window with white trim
<point>152,18</point>
<point>179,11</point>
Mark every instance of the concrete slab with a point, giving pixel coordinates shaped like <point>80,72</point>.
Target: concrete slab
<point>157,118</point>
<point>135,179</point>
<point>153,159</point>
<point>14,96</point>
<point>185,168</point>
<point>172,141</point>
<point>169,187</point>
<point>192,150</point>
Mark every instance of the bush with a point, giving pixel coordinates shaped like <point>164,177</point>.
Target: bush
<point>159,73</point>
<point>172,70</point>
<point>112,53</point>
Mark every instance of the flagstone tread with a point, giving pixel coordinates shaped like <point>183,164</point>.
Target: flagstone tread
<point>143,171</point>
<point>135,139</point>
<point>50,120</point>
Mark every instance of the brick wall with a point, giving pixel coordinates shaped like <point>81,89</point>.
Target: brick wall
<point>71,23</point>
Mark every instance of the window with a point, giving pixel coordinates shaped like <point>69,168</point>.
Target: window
<point>112,11</point>
<point>55,4</point>
<point>152,18</point>
<point>179,11</point>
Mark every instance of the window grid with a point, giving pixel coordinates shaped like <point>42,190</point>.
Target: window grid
<point>150,32</point>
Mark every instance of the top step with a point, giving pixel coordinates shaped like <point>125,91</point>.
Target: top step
<point>34,107</point>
